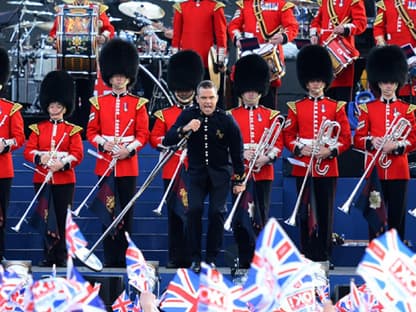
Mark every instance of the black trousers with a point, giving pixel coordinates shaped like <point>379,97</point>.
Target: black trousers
<point>62,196</point>
<point>317,247</point>
<point>395,200</point>
<point>216,184</point>
<point>5,186</point>
<point>115,245</point>
<point>178,249</point>
<point>244,243</point>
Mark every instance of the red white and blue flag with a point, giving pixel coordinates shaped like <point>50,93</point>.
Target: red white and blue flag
<point>182,293</point>
<point>390,272</point>
<point>122,303</point>
<point>74,237</point>
<point>138,272</point>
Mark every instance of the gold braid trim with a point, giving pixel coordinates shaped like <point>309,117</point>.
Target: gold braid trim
<point>34,128</point>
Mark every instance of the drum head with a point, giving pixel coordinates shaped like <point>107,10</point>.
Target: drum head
<point>91,262</point>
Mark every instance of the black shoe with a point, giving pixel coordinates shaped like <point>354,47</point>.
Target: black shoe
<point>45,263</point>
<point>196,267</point>
<point>172,265</point>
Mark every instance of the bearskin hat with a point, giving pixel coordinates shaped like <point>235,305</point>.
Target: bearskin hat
<point>57,86</point>
<point>119,57</point>
<point>386,64</point>
<point>251,73</point>
<point>314,63</point>
<point>4,66</point>
<point>185,71</point>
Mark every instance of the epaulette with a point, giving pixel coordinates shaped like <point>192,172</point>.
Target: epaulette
<point>319,2</point>
<point>273,113</point>
<point>177,7</point>
<point>354,2</point>
<point>411,108</point>
<point>16,107</point>
<point>340,105</point>
<point>94,102</point>
<point>219,5</point>
<point>240,4</point>
<point>75,128</point>
<point>34,128</point>
<point>103,8</point>
<point>159,115</point>
<point>363,107</point>
<point>378,19</point>
<point>142,101</point>
<point>287,6</point>
<point>380,4</point>
<point>292,106</point>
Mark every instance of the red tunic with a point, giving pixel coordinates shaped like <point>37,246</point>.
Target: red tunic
<point>375,118</point>
<point>11,130</point>
<point>109,119</point>
<point>302,125</point>
<point>165,118</point>
<point>350,12</point>
<point>252,123</point>
<point>42,140</point>
<point>275,13</point>
<point>390,27</point>
<point>197,25</point>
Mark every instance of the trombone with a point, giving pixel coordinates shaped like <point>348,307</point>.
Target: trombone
<point>111,165</point>
<point>265,145</point>
<point>48,176</point>
<point>172,150</point>
<point>325,137</point>
<point>395,131</point>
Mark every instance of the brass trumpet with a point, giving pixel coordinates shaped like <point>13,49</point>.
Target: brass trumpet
<point>325,136</point>
<point>394,132</point>
<point>265,145</point>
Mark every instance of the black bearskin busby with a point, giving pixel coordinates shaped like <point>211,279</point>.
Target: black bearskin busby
<point>4,67</point>
<point>119,57</point>
<point>57,86</point>
<point>185,71</point>
<point>251,73</point>
<point>314,63</point>
<point>386,64</point>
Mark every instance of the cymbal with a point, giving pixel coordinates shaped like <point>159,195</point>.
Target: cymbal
<point>25,2</point>
<point>38,13</point>
<point>46,26</point>
<point>147,9</point>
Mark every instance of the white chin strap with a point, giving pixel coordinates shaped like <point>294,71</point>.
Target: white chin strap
<point>186,100</point>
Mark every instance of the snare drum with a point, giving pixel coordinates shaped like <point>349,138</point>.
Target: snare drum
<point>342,53</point>
<point>76,40</point>
<point>271,55</point>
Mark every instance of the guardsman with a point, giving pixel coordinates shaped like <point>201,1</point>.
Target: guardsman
<point>339,20</point>
<point>387,71</point>
<point>270,21</point>
<point>251,82</point>
<point>303,124</point>
<point>215,149</point>
<point>118,128</point>
<point>185,71</point>
<point>12,137</point>
<point>55,146</point>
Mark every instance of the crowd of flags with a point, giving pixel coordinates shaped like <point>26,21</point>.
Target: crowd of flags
<point>280,279</point>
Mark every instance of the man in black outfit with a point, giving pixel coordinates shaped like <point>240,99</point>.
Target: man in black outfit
<point>215,149</point>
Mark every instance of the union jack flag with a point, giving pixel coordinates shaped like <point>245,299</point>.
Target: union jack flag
<point>389,271</point>
<point>217,293</point>
<point>122,303</point>
<point>74,237</point>
<point>276,260</point>
<point>182,293</point>
<point>138,271</point>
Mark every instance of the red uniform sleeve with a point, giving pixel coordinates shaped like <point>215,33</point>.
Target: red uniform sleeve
<point>290,132</point>
<point>177,28</point>
<point>344,139</point>
<point>158,133</point>
<point>290,24</point>
<point>362,131</point>
<point>142,127</point>
<point>236,24</point>
<point>17,130</point>
<point>94,126</point>
<point>220,28</point>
